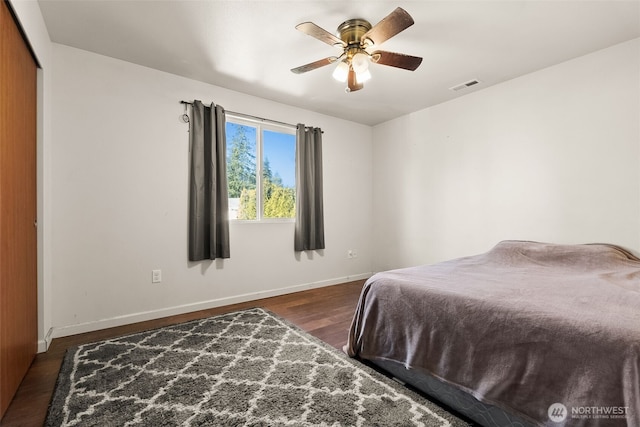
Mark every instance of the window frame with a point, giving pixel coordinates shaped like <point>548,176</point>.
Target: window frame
<point>261,125</point>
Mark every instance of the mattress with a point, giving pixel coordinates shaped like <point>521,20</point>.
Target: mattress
<point>533,328</point>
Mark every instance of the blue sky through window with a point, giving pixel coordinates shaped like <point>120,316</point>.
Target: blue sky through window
<point>280,150</point>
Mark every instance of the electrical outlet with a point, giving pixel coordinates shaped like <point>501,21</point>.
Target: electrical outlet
<point>156,276</point>
<point>354,253</point>
<point>350,254</point>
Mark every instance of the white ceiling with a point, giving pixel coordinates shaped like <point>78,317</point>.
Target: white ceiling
<point>250,46</point>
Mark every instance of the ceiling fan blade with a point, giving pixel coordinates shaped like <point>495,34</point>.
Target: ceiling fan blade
<point>398,60</point>
<point>313,65</point>
<point>352,83</point>
<point>397,21</point>
<point>321,34</point>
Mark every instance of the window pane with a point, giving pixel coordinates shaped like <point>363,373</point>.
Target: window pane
<point>241,170</point>
<point>279,174</point>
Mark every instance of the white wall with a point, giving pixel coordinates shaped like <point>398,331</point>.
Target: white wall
<point>120,182</point>
<point>552,156</point>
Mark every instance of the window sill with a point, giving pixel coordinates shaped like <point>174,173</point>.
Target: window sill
<point>264,221</point>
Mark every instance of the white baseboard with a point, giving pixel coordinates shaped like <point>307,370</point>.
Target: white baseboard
<point>43,344</point>
<point>57,332</point>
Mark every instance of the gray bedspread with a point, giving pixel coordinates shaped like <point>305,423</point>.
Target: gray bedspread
<point>523,326</point>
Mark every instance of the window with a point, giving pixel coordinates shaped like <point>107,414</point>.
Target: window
<point>260,170</point>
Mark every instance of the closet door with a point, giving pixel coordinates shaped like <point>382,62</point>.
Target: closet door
<point>18,263</point>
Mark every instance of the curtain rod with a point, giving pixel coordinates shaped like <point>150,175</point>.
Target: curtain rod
<point>249,116</point>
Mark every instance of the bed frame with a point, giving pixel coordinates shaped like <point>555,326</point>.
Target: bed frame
<point>462,402</point>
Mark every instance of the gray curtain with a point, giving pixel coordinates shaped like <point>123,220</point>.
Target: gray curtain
<point>208,194</point>
<point>309,229</point>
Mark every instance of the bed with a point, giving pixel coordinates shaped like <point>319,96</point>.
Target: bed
<point>527,333</point>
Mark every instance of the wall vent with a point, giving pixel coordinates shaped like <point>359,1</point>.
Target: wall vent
<point>465,85</point>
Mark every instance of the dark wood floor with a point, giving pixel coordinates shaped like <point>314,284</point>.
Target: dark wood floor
<point>323,312</point>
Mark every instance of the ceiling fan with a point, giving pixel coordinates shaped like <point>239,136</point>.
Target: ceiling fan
<point>357,38</point>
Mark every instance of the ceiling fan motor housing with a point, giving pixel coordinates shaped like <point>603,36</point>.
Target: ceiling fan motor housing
<point>351,31</point>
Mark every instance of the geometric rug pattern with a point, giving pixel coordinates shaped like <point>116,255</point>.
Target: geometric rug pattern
<point>248,368</point>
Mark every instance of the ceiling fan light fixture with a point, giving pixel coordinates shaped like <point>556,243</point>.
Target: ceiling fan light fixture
<point>363,76</point>
<point>360,62</point>
<point>341,72</point>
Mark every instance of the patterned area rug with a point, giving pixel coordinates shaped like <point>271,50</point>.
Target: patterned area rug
<point>248,368</point>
